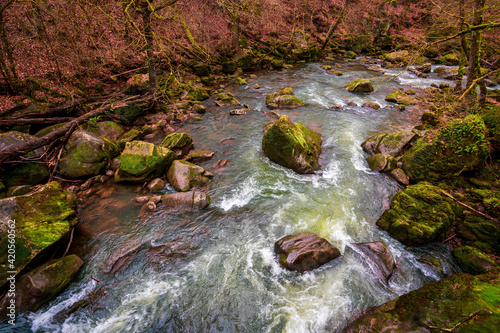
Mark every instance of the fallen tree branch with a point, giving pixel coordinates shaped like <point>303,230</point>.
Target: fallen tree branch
<point>472,209</point>
<point>34,121</point>
<point>13,151</point>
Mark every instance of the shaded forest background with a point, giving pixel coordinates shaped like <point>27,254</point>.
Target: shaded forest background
<point>71,48</point>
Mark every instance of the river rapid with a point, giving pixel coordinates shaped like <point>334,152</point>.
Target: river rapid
<point>219,273</point>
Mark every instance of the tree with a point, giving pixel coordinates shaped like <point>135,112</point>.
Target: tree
<point>7,64</point>
<point>334,25</point>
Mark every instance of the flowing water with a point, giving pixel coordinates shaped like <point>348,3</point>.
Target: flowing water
<point>219,273</point>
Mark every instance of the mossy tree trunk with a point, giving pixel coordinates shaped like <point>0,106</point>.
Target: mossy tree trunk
<point>465,47</point>
<point>334,25</point>
<point>475,45</point>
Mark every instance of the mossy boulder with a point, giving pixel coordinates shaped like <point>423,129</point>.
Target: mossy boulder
<point>292,145</point>
<point>471,260</point>
<point>350,55</point>
<point>459,303</point>
<point>457,147</point>
<point>197,93</point>
<point>399,97</point>
<point>400,176</point>
<point>14,139</point>
<point>244,60</point>
<point>239,81</point>
<point>24,174</point>
<point>129,113</point>
<point>183,175</point>
<point>491,119</point>
<point>391,143</point>
<point>371,105</point>
<point>283,99</point>
<point>304,252</point>
<point>143,161</point>
<point>398,57</point>
<point>180,143</point>
<point>419,214</point>
<point>480,232</point>
<point>360,85</point>
<point>425,68</point>
<point>106,129</point>
<point>226,100</point>
<point>43,283</point>
<point>42,220</point>
<point>381,162</point>
<point>86,155</point>
<point>450,59</point>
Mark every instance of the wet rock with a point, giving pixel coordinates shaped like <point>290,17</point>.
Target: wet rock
<point>283,99</point>
<point>169,256</point>
<point>43,219</point>
<point>41,284</point>
<point>455,149</point>
<point>156,185</point>
<point>226,100</point>
<point>304,252</point>
<point>185,201</point>
<point>419,214</point>
<point>460,301</point>
<point>221,165</point>
<point>471,260</point>
<point>198,156</point>
<point>376,69</point>
<point>183,175</point>
<point>142,161</point>
<point>400,176</point>
<point>86,155</point>
<point>149,206</point>
<point>391,143</point>
<point>239,112</point>
<point>381,162</point>
<point>360,85</point>
<point>255,86</point>
<point>433,263</point>
<point>399,97</point>
<point>292,145</point>
<point>121,257</point>
<point>381,260</point>
<point>180,143</point>
<point>371,105</point>
<point>425,68</point>
<point>24,174</point>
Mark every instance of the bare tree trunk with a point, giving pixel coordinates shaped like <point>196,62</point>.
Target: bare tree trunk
<point>475,47</point>
<point>7,64</point>
<point>235,31</point>
<point>148,35</point>
<point>465,51</point>
<point>334,25</point>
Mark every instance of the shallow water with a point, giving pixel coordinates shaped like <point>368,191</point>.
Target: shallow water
<point>220,274</point>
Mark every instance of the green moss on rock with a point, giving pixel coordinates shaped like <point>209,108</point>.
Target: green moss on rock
<point>399,97</point>
<point>418,214</point>
<point>283,99</point>
<point>450,59</point>
<point>471,260</point>
<point>226,100</point>
<point>142,161</point>
<point>360,85</point>
<point>24,174</point>
<point>457,147</point>
<point>180,143</point>
<point>42,218</point>
<point>292,145</point>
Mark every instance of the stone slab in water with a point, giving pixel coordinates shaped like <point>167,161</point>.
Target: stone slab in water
<point>304,252</point>
<point>379,258</point>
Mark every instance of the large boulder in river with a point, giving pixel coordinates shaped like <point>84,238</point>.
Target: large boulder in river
<point>143,161</point>
<point>41,284</point>
<point>459,303</point>
<point>292,145</point>
<point>41,219</point>
<point>457,147</point>
<point>304,252</point>
<point>283,99</point>
<point>86,154</point>
<point>379,258</point>
<point>390,143</point>
<point>180,143</point>
<point>183,175</point>
<point>360,85</point>
<point>419,214</point>
<point>185,201</point>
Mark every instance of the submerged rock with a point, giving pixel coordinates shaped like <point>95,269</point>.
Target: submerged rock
<point>292,145</point>
<point>183,175</point>
<point>381,259</point>
<point>121,257</point>
<point>360,85</point>
<point>40,285</point>
<point>42,219</point>
<point>471,260</point>
<point>86,155</point>
<point>283,99</point>
<point>461,303</point>
<point>179,143</point>
<point>143,161</point>
<point>418,214</point>
<point>185,201</point>
<point>304,252</point>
